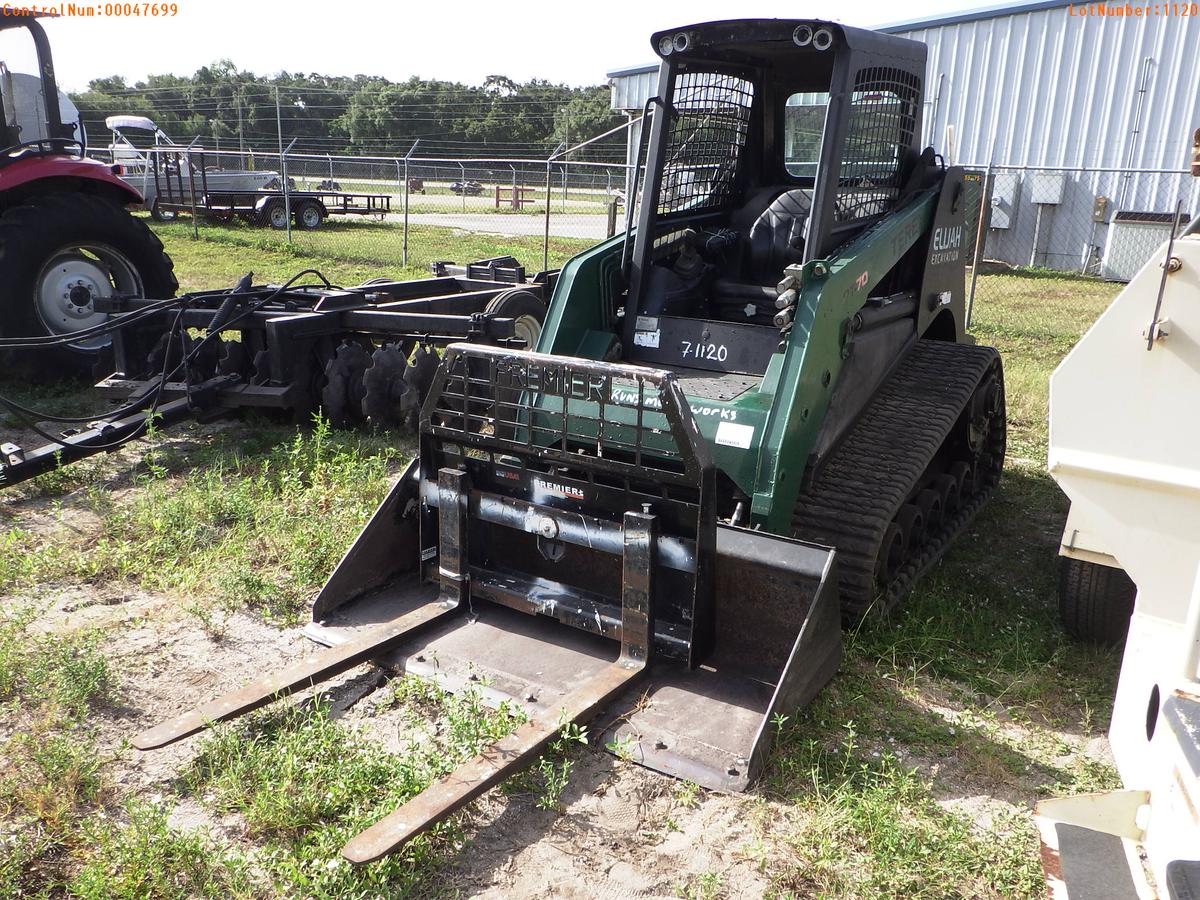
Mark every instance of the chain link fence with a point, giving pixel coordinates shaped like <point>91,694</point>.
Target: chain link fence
<point>1052,246</point>
<point>394,213</point>
<point>1056,245</point>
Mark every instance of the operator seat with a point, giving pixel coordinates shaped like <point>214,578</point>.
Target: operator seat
<point>776,237</point>
<point>773,223</point>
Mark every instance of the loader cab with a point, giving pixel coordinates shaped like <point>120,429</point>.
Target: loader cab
<point>772,142</point>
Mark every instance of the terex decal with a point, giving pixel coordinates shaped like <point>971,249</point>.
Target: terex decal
<point>549,378</point>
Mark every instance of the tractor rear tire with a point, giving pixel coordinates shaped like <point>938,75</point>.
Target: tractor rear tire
<point>58,253</point>
<point>1094,601</point>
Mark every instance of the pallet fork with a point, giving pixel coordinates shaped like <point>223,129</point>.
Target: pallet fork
<point>580,492</point>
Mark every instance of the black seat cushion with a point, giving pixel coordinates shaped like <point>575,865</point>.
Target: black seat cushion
<point>776,237</point>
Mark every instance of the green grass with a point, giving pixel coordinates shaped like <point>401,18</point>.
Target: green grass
<point>868,826</point>
<point>347,252</point>
<point>305,784</point>
<point>254,520</point>
<point>1033,319</point>
<point>863,765</point>
<point>50,771</point>
<point>143,857</point>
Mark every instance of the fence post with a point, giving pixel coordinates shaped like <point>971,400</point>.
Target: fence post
<point>287,191</point>
<point>404,188</point>
<point>546,232</point>
<point>192,191</point>
<point>407,156</point>
<point>980,233</point>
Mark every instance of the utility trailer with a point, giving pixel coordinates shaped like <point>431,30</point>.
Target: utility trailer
<point>360,354</point>
<point>181,185</point>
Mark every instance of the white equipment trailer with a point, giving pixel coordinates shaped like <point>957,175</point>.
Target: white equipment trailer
<point>1125,447</point>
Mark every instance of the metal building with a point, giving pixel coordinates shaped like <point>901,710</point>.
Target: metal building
<point>1053,84</point>
<point>1068,90</point>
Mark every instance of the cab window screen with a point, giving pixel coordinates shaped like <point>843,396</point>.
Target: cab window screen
<point>710,123</point>
<point>879,132</point>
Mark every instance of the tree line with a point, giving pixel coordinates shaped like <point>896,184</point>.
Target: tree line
<point>234,109</point>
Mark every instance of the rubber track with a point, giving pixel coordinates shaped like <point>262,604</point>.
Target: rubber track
<point>872,473</point>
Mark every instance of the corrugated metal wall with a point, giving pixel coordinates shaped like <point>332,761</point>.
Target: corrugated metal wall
<point>1051,87</point>
<point>1046,87</point>
<point>631,90</point>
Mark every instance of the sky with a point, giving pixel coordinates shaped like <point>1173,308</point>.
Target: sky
<point>465,40</point>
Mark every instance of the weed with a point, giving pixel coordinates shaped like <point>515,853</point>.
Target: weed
<point>49,767</point>
<point>144,857</point>
<point>706,886</point>
<point>872,828</point>
<point>260,530</point>
<point>687,794</point>
<point>554,766</point>
<point>67,674</point>
<point>622,747</point>
<point>306,784</point>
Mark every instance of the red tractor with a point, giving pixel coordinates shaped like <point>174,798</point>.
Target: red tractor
<point>67,239</point>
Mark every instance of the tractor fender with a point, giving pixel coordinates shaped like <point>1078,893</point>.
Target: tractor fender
<point>49,169</point>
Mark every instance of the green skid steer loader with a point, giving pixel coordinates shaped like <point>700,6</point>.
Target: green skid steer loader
<point>752,416</point>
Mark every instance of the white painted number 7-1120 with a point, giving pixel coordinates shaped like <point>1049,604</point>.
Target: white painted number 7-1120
<point>715,352</point>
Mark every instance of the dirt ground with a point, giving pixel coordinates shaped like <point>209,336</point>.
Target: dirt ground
<point>621,831</point>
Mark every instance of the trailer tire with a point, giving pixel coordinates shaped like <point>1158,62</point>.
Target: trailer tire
<point>58,251</point>
<point>310,215</point>
<point>158,214</point>
<point>1094,601</point>
<point>274,214</point>
<point>526,308</point>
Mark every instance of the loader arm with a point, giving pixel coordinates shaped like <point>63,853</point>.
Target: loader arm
<point>831,292</point>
